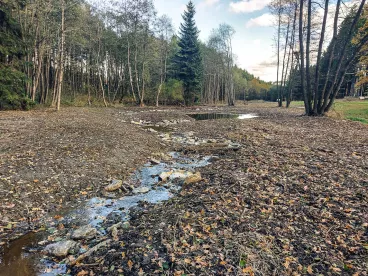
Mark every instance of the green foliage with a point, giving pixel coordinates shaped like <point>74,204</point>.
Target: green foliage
<point>352,110</point>
<point>188,60</point>
<point>12,81</point>
<point>240,84</point>
<point>173,91</point>
<point>355,119</point>
<point>248,87</point>
<point>12,90</point>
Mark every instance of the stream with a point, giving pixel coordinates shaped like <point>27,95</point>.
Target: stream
<point>25,256</point>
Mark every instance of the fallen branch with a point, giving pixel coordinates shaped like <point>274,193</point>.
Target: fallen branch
<point>89,252</point>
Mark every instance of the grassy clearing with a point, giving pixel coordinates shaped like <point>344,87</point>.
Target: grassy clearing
<point>352,110</point>
<point>344,109</point>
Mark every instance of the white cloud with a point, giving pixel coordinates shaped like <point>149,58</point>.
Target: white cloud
<point>257,42</point>
<point>207,3</point>
<point>265,20</point>
<point>248,6</point>
<point>210,2</point>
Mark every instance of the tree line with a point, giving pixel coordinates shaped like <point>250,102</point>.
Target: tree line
<point>318,61</point>
<point>73,52</point>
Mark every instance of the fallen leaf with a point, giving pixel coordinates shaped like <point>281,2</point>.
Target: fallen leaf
<point>130,264</point>
<point>82,273</point>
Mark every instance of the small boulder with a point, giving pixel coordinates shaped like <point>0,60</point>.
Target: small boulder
<point>86,232</point>
<point>195,178</point>
<point>115,185</point>
<point>62,248</point>
<point>154,161</point>
<point>164,176</point>
<point>180,174</point>
<point>141,190</point>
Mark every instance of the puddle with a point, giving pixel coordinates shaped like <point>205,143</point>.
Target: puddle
<point>17,261</point>
<point>218,116</point>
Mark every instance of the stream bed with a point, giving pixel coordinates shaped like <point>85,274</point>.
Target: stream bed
<point>26,257</point>
<point>155,182</point>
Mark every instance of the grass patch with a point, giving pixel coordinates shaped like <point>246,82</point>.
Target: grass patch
<point>364,121</point>
<point>297,104</point>
<point>352,110</point>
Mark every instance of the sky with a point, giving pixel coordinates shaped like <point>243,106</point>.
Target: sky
<point>251,19</point>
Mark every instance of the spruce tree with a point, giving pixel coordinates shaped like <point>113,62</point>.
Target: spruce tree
<point>188,60</point>
<point>12,80</point>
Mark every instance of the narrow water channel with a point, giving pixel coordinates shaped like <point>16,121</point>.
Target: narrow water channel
<point>23,257</point>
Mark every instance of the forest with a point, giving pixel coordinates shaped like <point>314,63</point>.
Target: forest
<point>131,148</point>
<point>77,53</point>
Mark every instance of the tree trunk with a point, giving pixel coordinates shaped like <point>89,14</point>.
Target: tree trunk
<point>301,45</point>
<point>334,40</point>
<point>308,73</point>
<point>278,54</point>
<point>342,56</point>
<point>317,72</point>
<point>283,63</point>
<point>61,73</point>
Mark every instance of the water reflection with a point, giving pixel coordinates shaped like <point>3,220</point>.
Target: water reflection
<point>218,116</point>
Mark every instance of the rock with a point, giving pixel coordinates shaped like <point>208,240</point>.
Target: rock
<point>141,190</point>
<point>109,195</point>
<point>191,141</point>
<point>86,232</point>
<point>164,176</point>
<point>155,161</point>
<point>152,130</point>
<point>116,226</point>
<point>62,248</point>
<point>126,225</point>
<point>180,174</point>
<point>115,185</point>
<point>195,178</point>
<point>165,156</point>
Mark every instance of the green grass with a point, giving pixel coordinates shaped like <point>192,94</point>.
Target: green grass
<point>364,121</point>
<point>353,110</point>
<point>297,104</point>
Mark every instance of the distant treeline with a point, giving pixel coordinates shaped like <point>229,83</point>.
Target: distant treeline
<point>68,51</point>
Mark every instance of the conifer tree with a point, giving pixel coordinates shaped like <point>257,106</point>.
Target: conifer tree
<point>188,60</point>
<point>12,93</point>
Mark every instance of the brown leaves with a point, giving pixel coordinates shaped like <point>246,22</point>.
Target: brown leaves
<point>130,264</point>
<point>248,270</point>
<point>82,273</point>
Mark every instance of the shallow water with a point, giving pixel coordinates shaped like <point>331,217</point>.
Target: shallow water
<point>16,261</point>
<point>159,128</point>
<point>218,116</point>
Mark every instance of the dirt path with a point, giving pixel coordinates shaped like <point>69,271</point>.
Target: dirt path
<point>292,200</point>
